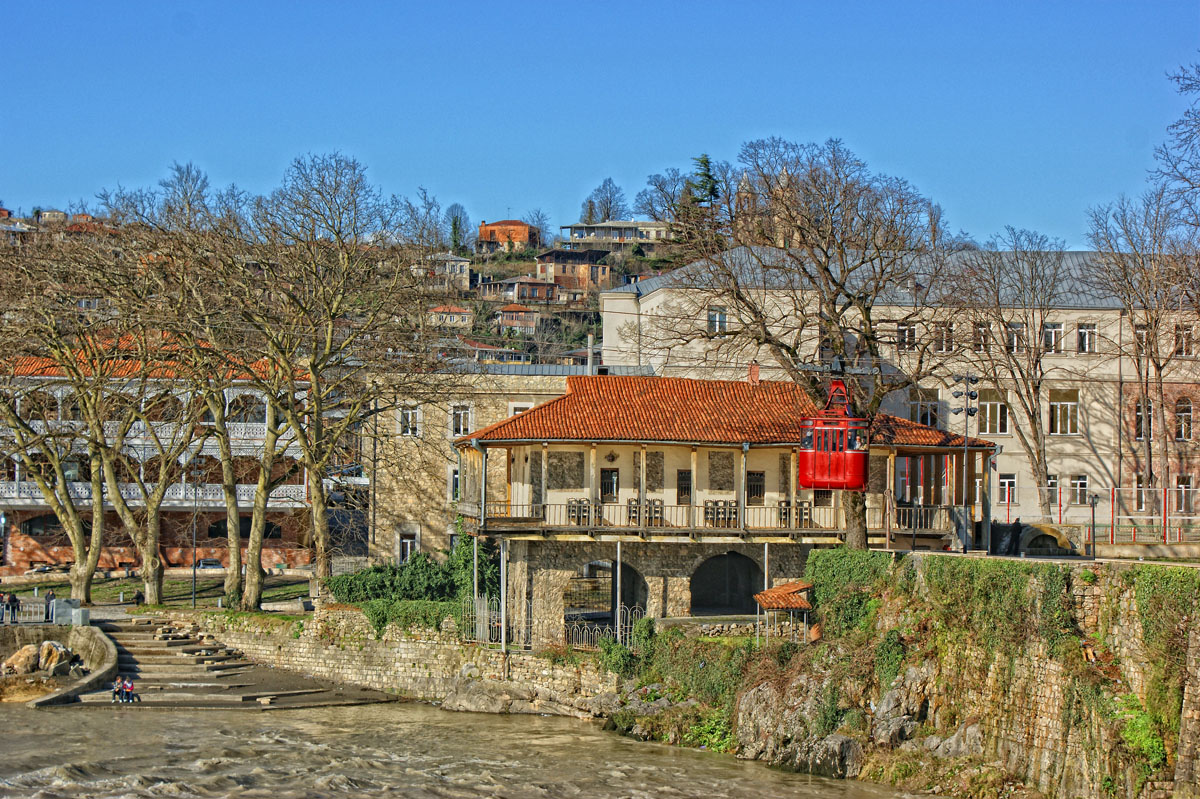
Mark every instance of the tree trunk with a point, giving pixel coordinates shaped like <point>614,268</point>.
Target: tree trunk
<point>233,521</point>
<point>320,523</point>
<point>253,587</point>
<point>854,504</point>
<point>151,571</point>
<point>88,558</point>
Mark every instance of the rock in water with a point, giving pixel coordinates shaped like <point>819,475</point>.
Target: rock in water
<point>23,661</point>
<point>51,654</point>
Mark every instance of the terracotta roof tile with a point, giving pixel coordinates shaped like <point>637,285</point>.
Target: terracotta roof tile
<point>789,596</point>
<point>664,409</point>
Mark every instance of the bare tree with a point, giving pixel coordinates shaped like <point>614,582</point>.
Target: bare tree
<point>606,203</point>
<point>539,220</point>
<point>790,269</point>
<point>1146,261</point>
<point>664,192</point>
<point>1179,157</point>
<point>1010,290</point>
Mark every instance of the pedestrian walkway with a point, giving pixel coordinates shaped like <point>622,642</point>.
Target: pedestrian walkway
<point>179,668</point>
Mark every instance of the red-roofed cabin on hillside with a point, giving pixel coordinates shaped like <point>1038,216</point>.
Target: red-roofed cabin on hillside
<point>507,235</point>
<point>669,457</point>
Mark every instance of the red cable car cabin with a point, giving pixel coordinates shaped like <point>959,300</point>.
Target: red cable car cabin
<point>834,448</point>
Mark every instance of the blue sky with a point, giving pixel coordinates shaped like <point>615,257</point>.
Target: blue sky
<point>1007,113</point>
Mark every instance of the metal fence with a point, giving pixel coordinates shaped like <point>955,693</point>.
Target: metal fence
<point>533,625</point>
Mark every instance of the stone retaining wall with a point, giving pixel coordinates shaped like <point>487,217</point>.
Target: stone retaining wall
<point>94,648</point>
<point>338,643</point>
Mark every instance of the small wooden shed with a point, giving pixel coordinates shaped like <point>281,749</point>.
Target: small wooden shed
<point>789,598</point>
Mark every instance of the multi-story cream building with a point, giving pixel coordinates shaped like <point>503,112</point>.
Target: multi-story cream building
<point>1066,376</point>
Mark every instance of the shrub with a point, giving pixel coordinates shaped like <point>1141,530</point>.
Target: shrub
<point>785,652</point>
<point>1087,577</point>
<point>843,584</point>
<point>616,657</point>
<point>406,614</point>
<point>641,638</point>
<point>1140,734</point>
<point>713,731</point>
<point>889,657</point>
<point>829,714</point>
<point>420,577</point>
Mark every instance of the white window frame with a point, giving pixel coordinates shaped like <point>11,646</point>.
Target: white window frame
<point>413,412</point>
<point>1087,338</point>
<point>943,337</point>
<point>906,336</point>
<point>993,417</point>
<point>1079,489</point>
<point>1185,497</point>
<point>1143,419</point>
<point>515,408</point>
<point>1064,416</point>
<point>1052,337</point>
<point>453,484</point>
<point>1014,337</point>
<point>981,336</point>
<point>1052,488</point>
<point>1007,491</point>
<point>921,405</point>
<point>1185,341</point>
<point>1184,419</point>
<point>718,320</point>
<point>450,419</point>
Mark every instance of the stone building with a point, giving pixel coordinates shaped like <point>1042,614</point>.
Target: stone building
<point>683,491</point>
<point>506,235</point>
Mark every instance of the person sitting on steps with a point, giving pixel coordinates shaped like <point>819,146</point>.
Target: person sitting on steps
<point>118,690</point>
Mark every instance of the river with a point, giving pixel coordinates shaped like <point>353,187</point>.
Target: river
<point>402,749</point>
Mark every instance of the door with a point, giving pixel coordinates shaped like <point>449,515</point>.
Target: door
<point>683,487</point>
<point>610,484</point>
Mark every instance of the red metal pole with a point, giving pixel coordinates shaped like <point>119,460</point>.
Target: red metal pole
<point>1112,521</point>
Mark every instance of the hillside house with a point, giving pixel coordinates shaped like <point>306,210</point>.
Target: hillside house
<point>507,235</point>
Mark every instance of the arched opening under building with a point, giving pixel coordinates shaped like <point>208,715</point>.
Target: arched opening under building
<point>591,594</point>
<point>725,585</point>
<point>218,529</point>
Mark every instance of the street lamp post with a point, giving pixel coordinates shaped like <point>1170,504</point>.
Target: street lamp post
<point>966,394</point>
<point>195,474</point>
<point>1093,499</point>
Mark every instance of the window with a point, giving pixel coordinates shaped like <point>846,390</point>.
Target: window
<point>610,485</point>
<point>1183,419</point>
<point>1085,337</point>
<point>993,412</point>
<point>1185,345</point>
<point>515,408</point>
<point>1052,337</point>
<point>822,498</point>
<point>756,487</point>
<point>943,337</point>
<point>1141,337</point>
<point>1079,489</point>
<point>1143,420</point>
<point>683,487</point>
<point>981,336</point>
<point>1052,488</point>
<point>407,542</point>
<point>1064,412</point>
<point>1184,495</point>
<point>452,484</point>
<point>460,420</point>
<point>924,406</point>
<point>1139,496</point>
<point>1014,337</point>
<point>1008,489</point>
<point>906,336</point>
<point>718,322</point>
<point>410,422</point>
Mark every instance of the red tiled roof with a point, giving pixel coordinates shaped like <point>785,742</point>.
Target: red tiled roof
<point>788,596</point>
<point>449,309</point>
<point>512,306</point>
<point>662,409</point>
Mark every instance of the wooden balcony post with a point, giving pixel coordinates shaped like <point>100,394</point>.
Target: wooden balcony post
<point>594,488</point>
<point>642,490</point>
<point>692,496</point>
<point>545,477</point>
<point>741,496</point>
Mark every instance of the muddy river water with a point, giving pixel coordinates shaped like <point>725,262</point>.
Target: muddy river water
<point>408,750</point>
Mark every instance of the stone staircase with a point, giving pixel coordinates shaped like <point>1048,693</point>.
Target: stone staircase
<point>173,667</point>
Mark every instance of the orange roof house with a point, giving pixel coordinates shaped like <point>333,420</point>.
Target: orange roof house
<point>507,235</point>
<point>708,456</point>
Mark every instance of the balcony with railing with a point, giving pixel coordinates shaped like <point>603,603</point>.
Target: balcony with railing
<point>177,495</point>
<point>653,518</point>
